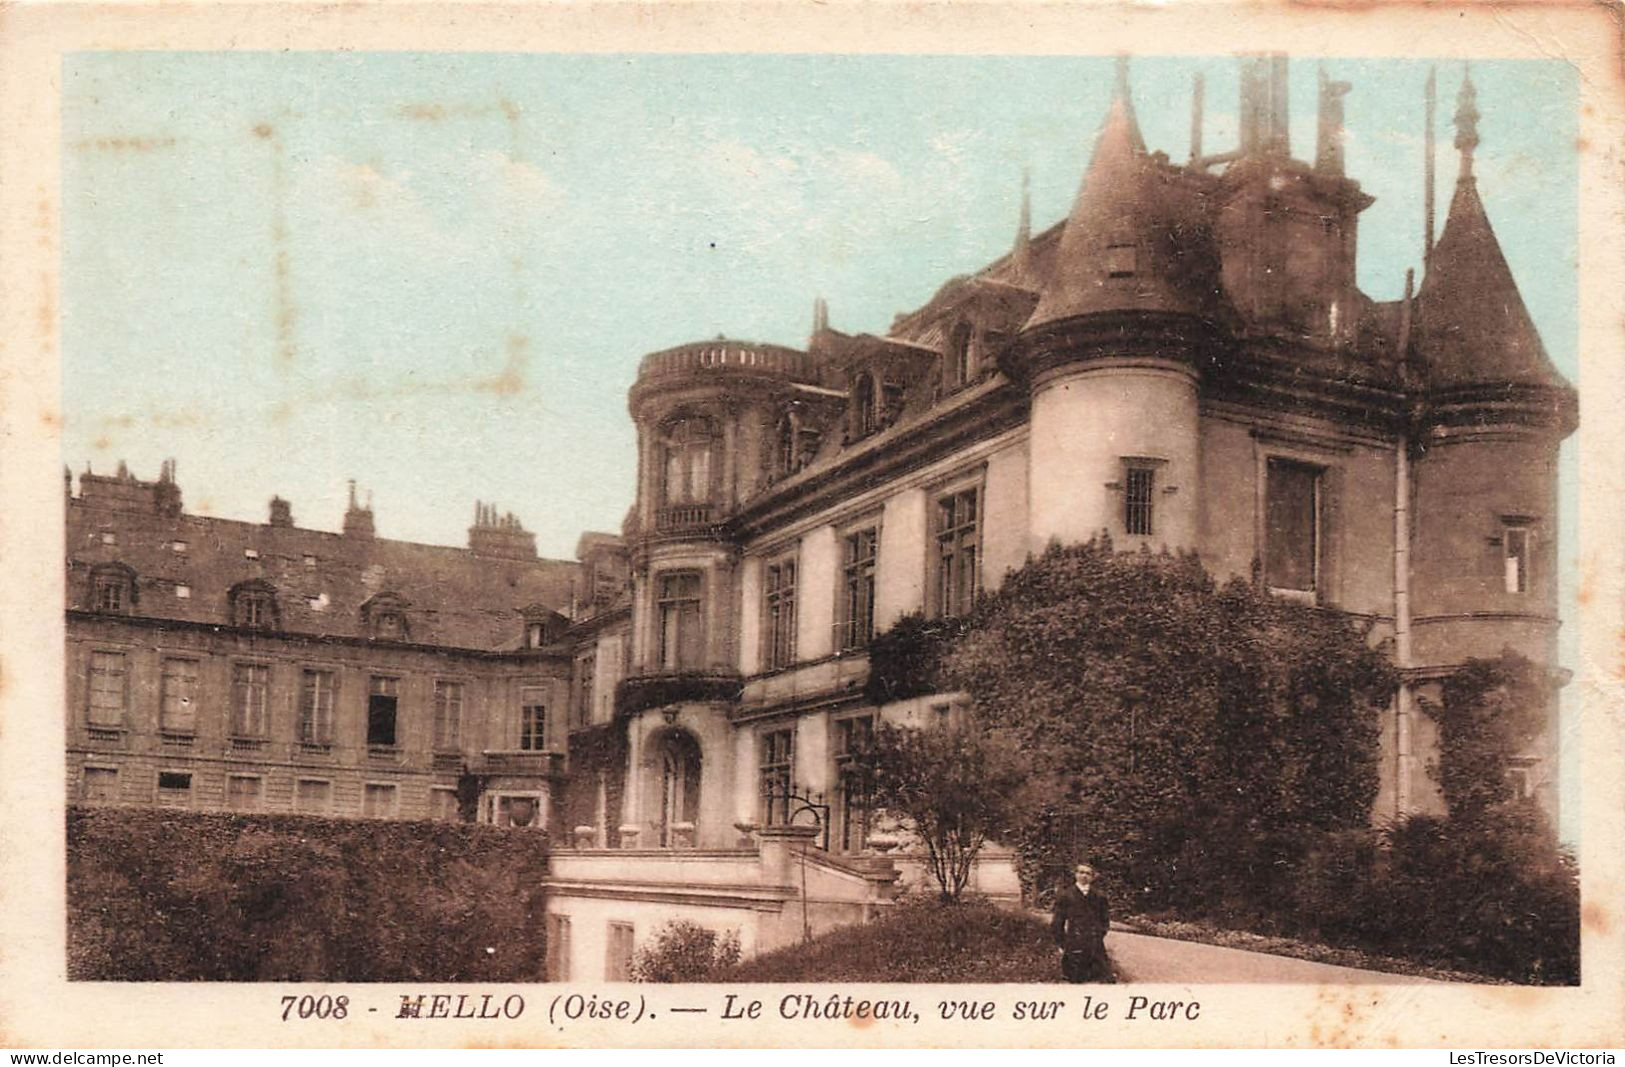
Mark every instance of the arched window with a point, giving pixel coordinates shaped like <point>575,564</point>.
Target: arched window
<point>688,444</point>
<point>254,606</point>
<point>865,406</point>
<point>112,589</point>
<point>784,445</point>
<point>957,367</point>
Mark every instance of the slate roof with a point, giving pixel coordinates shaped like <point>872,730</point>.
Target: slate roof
<point>1472,326</point>
<point>1131,199</point>
<point>451,597</point>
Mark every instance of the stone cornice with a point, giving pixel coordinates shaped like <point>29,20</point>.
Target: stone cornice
<point>942,432</point>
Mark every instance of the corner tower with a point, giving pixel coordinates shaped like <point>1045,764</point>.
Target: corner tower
<point>1113,350</point>
<point>1494,412</point>
<point>708,417</point>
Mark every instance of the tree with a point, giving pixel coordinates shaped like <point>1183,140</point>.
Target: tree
<point>1182,732</point>
<point>954,785</point>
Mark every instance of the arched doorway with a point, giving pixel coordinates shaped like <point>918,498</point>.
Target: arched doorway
<point>677,758</point>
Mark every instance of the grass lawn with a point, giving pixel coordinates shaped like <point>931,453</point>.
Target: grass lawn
<point>920,941</point>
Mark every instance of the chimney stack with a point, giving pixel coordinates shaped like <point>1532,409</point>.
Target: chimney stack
<point>1329,145</point>
<point>357,519</point>
<point>499,535</point>
<point>281,512</point>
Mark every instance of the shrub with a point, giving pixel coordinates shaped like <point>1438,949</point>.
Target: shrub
<point>919,940</point>
<point>1186,736</point>
<point>684,951</point>
<point>161,895</point>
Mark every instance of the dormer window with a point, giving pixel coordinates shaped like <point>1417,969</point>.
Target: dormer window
<point>112,589</point>
<point>688,444</point>
<point>384,617</point>
<point>1122,259</point>
<point>865,406</point>
<point>784,445</point>
<point>254,606</point>
<point>957,364</point>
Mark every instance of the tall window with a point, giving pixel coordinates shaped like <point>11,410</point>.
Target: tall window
<point>532,718</point>
<point>1292,525</point>
<point>852,785</point>
<point>316,691</point>
<point>777,764</point>
<point>681,628</point>
<point>618,947</point>
<point>448,715</point>
<point>177,696</point>
<point>1139,486</point>
<point>858,587</point>
<point>586,667</point>
<point>1516,538</point>
<point>558,948</point>
<point>250,700</point>
<point>109,688</point>
<point>688,444</point>
<point>383,700</point>
<point>958,544</point>
<point>779,591</point>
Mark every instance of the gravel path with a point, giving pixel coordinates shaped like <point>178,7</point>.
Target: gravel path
<point>1142,958</point>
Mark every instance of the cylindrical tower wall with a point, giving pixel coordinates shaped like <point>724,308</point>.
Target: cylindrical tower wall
<point>1093,424</point>
<point>1484,545</point>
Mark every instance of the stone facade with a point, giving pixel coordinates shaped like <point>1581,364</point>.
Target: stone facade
<point>1184,362</point>
<point>229,665</point>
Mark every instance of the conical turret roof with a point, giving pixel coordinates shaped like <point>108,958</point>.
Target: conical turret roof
<point>1472,327</point>
<point>1135,240</point>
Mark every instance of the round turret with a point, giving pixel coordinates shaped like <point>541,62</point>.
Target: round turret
<point>1112,350</point>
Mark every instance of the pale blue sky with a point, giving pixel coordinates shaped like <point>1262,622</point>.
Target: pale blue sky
<point>436,273</point>
<point>476,249</point>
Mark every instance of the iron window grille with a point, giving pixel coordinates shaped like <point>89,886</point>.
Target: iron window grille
<point>1139,488</point>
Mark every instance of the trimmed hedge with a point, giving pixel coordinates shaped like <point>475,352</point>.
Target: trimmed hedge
<point>920,940</point>
<point>158,895</point>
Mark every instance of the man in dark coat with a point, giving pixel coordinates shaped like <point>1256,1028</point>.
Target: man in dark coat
<point>1079,929</point>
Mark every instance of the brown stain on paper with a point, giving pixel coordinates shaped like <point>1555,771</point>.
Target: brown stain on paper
<point>1595,918</point>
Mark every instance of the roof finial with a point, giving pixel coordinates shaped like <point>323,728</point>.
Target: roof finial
<point>1430,99</point>
<point>1466,123</point>
<point>1122,89</point>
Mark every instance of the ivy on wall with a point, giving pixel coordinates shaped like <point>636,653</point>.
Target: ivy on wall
<point>1489,713</point>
